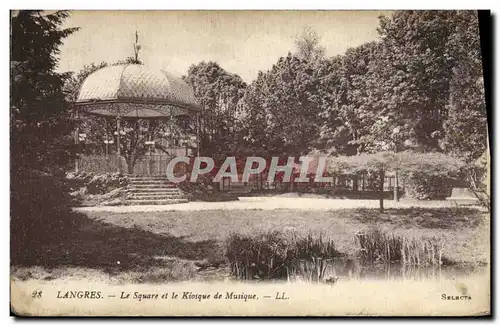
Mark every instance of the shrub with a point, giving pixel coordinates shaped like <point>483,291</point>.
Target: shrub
<point>96,183</point>
<point>202,185</point>
<point>430,175</point>
<point>422,186</point>
<point>204,189</point>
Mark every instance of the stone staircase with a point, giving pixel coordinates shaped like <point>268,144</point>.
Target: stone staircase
<point>153,190</point>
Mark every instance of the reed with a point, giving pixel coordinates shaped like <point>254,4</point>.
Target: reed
<point>309,270</point>
<point>275,255</point>
<point>310,246</point>
<point>377,246</point>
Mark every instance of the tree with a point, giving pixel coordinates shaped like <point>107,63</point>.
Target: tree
<point>418,79</point>
<point>40,124</point>
<point>309,46</point>
<point>434,165</point>
<point>346,91</point>
<point>465,130</point>
<point>40,119</point>
<point>254,119</point>
<point>285,100</point>
<point>219,93</point>
<point>334,135</point>
<point>379,163</point>
<point>435,70</point>
<point>413,76</point>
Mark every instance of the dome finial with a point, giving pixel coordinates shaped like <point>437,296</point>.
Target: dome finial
<point>137,48</point>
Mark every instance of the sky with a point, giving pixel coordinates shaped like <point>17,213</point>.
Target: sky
<point>242,42</point>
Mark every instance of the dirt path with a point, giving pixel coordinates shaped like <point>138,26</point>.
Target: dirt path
<point>271,203</point>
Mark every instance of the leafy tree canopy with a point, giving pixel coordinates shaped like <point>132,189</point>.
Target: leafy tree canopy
<point>219,93</point>
<point>40,119</point>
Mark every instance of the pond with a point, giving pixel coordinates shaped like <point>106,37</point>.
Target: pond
<point>353,269</point>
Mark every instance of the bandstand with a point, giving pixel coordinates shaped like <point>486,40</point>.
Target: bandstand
<point>132,92</point>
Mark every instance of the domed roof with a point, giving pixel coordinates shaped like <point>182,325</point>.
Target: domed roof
<point>133,83</point>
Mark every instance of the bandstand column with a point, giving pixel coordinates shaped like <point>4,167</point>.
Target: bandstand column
<point>118,154</point>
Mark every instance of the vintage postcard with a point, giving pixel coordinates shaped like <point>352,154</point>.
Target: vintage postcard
<point>249,163</point>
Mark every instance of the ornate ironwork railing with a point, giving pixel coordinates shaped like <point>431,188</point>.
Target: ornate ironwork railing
<point>152,164</point>
<point>155,164</point>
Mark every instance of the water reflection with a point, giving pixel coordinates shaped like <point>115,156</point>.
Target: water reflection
<point>354,269</point>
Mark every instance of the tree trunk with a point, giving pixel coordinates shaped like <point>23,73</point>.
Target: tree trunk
<point>396,186</point>
<point>381,190</point>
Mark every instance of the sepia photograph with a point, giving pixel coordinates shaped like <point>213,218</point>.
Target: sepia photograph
<point>249,163</point>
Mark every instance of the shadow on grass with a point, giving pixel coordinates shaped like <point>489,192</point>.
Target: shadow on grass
<point>432,218</point>
<point>108,247</point>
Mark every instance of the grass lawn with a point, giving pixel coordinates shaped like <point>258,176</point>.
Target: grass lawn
<point>165,246</point>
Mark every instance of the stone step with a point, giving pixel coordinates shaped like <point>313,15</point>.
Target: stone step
<point>160,191</point>
<point>155,197</point>
<point>154,193</point>
<point>156,202</point>
<point>152,185</point>
<point>159,176</point>
<point>148,180</point>
<point>152,190</point>
<point>141,182</point>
